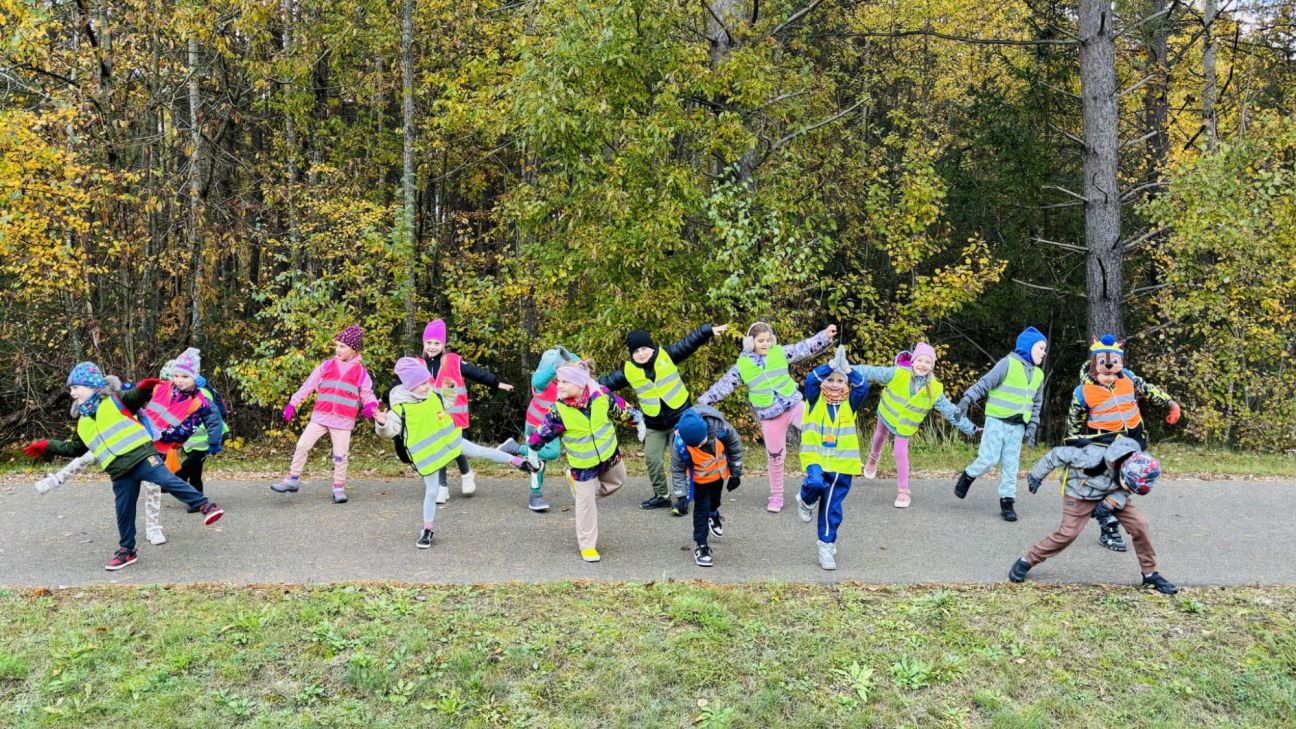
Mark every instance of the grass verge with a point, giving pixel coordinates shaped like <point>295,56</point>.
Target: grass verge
<point>664,654</point>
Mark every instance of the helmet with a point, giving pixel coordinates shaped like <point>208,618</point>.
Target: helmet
<point>1140,472</point>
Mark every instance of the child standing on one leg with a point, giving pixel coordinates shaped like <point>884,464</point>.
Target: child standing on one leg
<point>202,445</point>
<point>773,394</point>
<point>1014,392</point>
<point>450,376</point>
<point>584,418</point>
<point>652,372</point>
<point>830,448</point>
<point>706,456</point>
<point>107,426</point>
<point>431,435</point>
<point>544,393</point>
<point>1090,475</point>
<point>343,391</point>
<point>911,392</point>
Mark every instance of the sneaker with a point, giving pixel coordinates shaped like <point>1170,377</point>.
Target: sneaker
<point>590,555</point>
<point>192,509</point>
<point>828,555</point>
<point>1018,571</point>
<point>681,506</point>
<point>902,499</point>
<point>775,504</point>
<point>1110,537</point>
<point>537,502</point>
<point>289,484</point>
<point>425,540</point>
<point>1154,580</point>
<point>656,502</point>
<point>211,513</point>
<point>526,467</point>
<point>870,469</point>
<point>468,484</point>
<point>961,487</point>
<point>1006,509</point>
<point>122,558</point>
<point>155,535</point>
<point>510,447</point>
<point>443,494</point>
<point>715,525</point>
<point>804,510</point>
<point>339,495</point>
<point>702,556</point>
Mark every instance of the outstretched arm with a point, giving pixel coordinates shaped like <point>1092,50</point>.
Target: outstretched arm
<point>723,387</point>
<point>690,343</point>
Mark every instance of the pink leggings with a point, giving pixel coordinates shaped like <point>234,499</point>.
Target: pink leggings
<point>775,432</point>
<point>341,440</point>
<point>880,435</point>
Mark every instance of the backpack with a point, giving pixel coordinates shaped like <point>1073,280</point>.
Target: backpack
<point>223,408</point>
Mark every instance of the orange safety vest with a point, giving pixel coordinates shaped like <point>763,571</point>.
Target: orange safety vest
<point>450,384</point>
<point>1112,410</point>
<point>709,468</point>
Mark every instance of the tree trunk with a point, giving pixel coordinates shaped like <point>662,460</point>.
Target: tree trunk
<point>196,257</point>
<point>1101,186</point>
<point>1210,91</point>
<point>1156,99</point>
<point>725,19</point>
<point>407,177</point>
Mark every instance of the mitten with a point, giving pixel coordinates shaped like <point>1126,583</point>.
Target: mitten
<point>964,406</point>
<point>1030,435</point>
<point>214,448</point>
<point>734,482</point>
<point>1034,483</point>
<point>642,430</point>
<point>148,384</point>
<point>1175,412</point>
<point>368,412</point>
<point>290,410</point>
<point>36,448</point>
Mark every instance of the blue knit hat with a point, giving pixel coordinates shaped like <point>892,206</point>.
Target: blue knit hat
<point>86,374</point>
<point>1027,340</point>
<point>692,428</point>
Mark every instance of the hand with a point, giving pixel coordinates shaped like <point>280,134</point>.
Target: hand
<point>290,410</point>
<point>148,384</point>
<point>36,448</point>
<point>214,448</point>
<point>1033,483</point>
<point>380,417</point>
<point>719,329</point>
<point>368,412</point>
<point>964,406</point>
<point>642,430</point>
<point>734,482</point>
<point>831,329</point>
<point>1175,412</point>
<point>506,387</point>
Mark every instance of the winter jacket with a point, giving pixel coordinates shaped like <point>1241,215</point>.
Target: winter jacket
<point>133,400</point>
<point>725,386</point>
<point>717,429</point>
<point>678,352</point>
<point>883,375</point>
<point>1089,473</point>
<point>995,378</point>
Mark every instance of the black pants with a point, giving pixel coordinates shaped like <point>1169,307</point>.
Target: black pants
<point>126,492</point>
<point>706,502</point>
<point>191,469</point>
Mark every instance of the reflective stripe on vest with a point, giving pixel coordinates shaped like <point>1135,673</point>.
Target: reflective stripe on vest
<point>665,385</point>
<point>905,412</point>
<point>339,394</point>
<point>449,382</point>
<point>709,468</point>
<point>198,441</point>
<point>1115,409</point>
<point>433,440</point>
<point>541,404</point>
<point>763,382</point>
<point>588,440</point>
<point>831,444</point>
<point>1015,395</point>
<point>110,433</point>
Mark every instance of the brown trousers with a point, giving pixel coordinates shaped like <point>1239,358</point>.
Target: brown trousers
<point>1076,514</point>
<point>587,494</point>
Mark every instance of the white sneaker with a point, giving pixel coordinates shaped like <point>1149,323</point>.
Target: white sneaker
<point>468,483</point>
<point>870,470</point>
<point>827,555</point>
<point>803,511</point>
<point>443,494</point>
<point>155,535</point>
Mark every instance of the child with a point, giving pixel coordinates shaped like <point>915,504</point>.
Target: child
<point>544,393</point>
<point>449,376</point>
<point>763,368</point>
<point>584,419</point>
<point>652,372</point>
<point>202,445</point>
<point>911,392</point>
<point>707,455</point>
<point>431,435</point>
<point>107,426</point>
<point>1105,404</point>
<point>1090,475</point>
<point>342,390</point>
<point>1014,392</point>
<point>830,448</point>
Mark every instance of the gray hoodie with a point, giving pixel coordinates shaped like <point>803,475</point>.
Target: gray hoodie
<point>1088,472</point>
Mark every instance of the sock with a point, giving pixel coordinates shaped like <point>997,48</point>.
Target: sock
<point>516,461</point>
<point>427,525</point>
<point>293,477</point>
<point>339,487</point>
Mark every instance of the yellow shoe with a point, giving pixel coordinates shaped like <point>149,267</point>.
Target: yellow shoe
<point>590,555</point>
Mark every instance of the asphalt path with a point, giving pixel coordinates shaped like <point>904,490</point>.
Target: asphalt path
<point>1205,533</point>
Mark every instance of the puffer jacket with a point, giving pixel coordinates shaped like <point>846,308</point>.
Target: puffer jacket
<point>1089,472</point>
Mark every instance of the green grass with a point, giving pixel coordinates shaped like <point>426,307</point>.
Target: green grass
<point>664,654</point>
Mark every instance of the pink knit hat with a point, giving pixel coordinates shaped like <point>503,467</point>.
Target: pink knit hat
<point>352,336</point>
<point>412,372</point>
<point>435,330</point>
<point>924,350</point>
<point>188,363</point>
<point>576,374</point>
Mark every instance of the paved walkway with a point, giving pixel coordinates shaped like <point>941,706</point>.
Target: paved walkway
<point>1206,533</point>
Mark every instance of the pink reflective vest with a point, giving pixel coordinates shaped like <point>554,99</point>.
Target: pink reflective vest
<point>163,412</point>
<point>541,404</point>
<point>449,382</point>
<point>339,394</point>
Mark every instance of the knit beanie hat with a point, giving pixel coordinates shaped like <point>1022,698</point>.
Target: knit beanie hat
<point>692,428</point>
<point>1140,472</point>
<point>165,372</point>
<point>412,372</point>
<point>435,330</point>
<point>577,375</point>
<point>1027,340</point>
<point>86,374</point>
<point>188,363</point>
<point>1106,343</point>
<point>352,336</point>
<point>924,350</point>
<point>639,338</point>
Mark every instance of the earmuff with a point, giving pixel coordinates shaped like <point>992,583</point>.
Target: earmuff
<point>749,342</point>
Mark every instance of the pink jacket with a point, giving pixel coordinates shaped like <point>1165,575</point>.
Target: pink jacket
<point>330,420</point>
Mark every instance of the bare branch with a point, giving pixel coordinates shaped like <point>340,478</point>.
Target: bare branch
<point>1140,140</point>
<point>1067,134</point>
<point>1139,84</point>
<point>1066,246</point>
<point>1136,242</point>
<point>1148,19</point>
<point>806,130</point>
<point>1058,206</point>
<point>1130,193</point>
<point>962,38</point>
<point>1040,287</point>
<point>793,18</point>
<point>1073,194</point>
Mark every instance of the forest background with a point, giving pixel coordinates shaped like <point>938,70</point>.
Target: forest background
<point>249,176</point>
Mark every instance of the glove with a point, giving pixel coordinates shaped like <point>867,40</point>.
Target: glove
<point>36,448</point>
<point>734,482</point>
<point>368,412</point>
<point>290,410</point>
<point>1033,483</point>
<point>642,430</point>
<point>214,448</point>
<point>148,384</point>
<point>964,406</point>
<point>1030,437</point>
<point>1175,412</point>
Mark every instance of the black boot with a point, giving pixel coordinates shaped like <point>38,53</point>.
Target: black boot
<point>1006,508</point>
<point>1018,571</point>
<point>1110,537</point>
<point>1160,584</point>
<point>961,488</point>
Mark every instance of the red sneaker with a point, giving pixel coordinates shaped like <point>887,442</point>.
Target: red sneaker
<point>211,513</point>
<point>122,558</point>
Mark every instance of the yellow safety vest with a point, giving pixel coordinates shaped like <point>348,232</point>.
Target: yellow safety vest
<point>432,438</point>
<point>198,441</point>
<point>763,382</point>
<point>832,444</point>
<point>109,433</point>
<point>665,385</point>
<point>903,412</point>
<point>589,440</point>
<point>1015,395</point>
